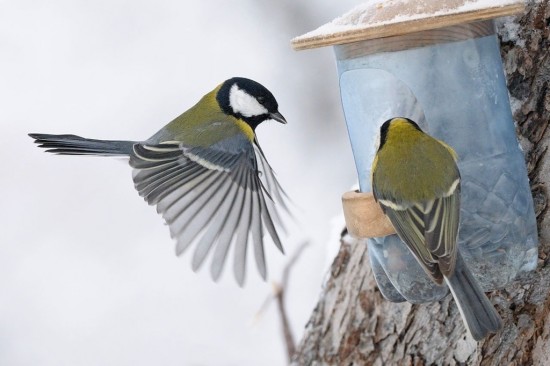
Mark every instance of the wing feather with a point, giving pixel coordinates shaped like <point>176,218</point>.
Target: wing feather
<point>411,232</point>
<point>215,232</point>
<point>212,198</point>
<point>191,214</point>
<point>430,230</point>
<point>243,231</point>
<point>442,230</point>
<point>229,230</point>
<point>272,184</point>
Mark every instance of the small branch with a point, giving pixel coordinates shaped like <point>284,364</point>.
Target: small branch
<point>287,332</point>
<point>279,295</point>
<point>292,261</point>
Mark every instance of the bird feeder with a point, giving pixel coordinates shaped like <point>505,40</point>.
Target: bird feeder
<point>437,63</point>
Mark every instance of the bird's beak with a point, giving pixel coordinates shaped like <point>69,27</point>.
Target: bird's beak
<point>277,117</point>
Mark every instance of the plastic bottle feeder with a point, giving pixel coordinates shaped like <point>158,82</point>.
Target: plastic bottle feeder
<point>437,63</point>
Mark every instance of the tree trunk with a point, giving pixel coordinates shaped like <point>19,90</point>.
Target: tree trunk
<point>354,325</point>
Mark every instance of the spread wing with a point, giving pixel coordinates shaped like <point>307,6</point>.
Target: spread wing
<point>212,198</point>
<point>429,230</point>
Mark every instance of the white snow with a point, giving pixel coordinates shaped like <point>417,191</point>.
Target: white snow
<point>509,32</point>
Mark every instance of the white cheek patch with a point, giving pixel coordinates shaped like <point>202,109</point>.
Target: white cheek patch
<point>245,104</point>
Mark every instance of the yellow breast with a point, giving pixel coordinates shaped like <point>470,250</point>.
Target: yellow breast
<point>246,129</point>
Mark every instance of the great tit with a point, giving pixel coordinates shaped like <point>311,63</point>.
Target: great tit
<point>206,174</point>
<point>416,181</point>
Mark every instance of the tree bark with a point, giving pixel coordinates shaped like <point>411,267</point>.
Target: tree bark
<point>353,324</point>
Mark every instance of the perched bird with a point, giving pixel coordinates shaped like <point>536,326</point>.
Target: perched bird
<point>206,174</point>
<point>416,181</point>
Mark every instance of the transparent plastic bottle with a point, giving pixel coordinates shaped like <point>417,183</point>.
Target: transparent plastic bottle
<point>457,92</point>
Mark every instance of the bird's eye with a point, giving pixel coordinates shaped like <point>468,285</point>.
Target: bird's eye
<point>261,100</point>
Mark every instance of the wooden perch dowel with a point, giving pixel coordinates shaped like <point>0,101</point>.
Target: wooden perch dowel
<point>364,217</point>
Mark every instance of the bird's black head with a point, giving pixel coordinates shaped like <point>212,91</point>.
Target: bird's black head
<point>249,101</point>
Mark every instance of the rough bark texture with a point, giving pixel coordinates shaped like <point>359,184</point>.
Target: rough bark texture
<point>353,325</point>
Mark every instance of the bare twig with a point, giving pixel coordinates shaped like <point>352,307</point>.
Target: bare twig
<point>279,295</point>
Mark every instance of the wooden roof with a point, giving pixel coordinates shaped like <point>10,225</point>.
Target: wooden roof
<point>384,18</point>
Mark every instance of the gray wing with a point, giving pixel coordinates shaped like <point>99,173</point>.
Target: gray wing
<point>410,226</point>
<point>442,230</point>
<point>212,198</point>
<point>430,230</point>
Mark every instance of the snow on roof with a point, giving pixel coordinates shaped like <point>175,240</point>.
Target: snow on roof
<point>384,18</point>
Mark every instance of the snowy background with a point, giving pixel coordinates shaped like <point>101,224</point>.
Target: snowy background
<point>88,274</point>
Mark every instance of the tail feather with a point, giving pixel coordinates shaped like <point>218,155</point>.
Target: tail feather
<point>76,145</point>
<point>479,315</point>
